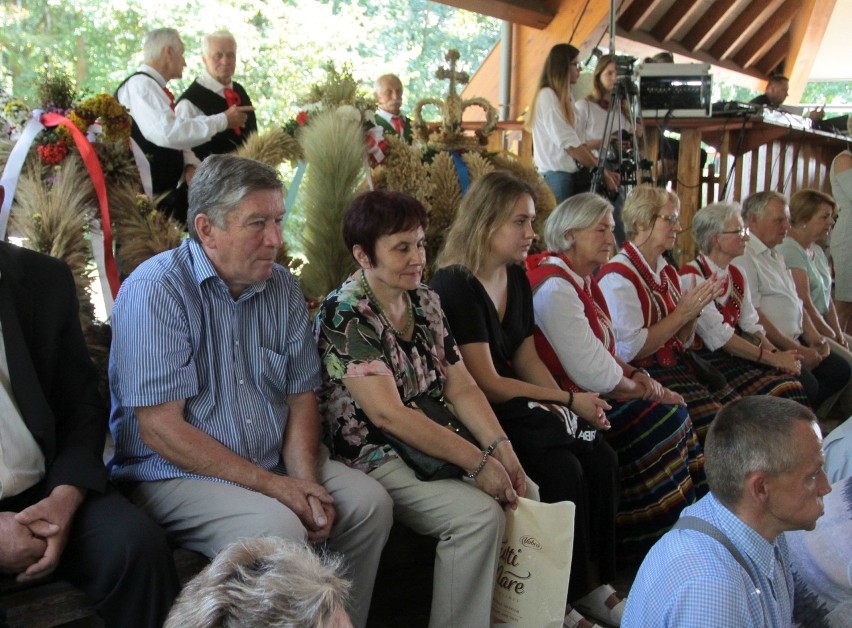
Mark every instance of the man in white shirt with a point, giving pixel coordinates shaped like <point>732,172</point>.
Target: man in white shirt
<point>778,306</point>
<point>388,92</point>
<point>213,92</point>
<point>156,129</point>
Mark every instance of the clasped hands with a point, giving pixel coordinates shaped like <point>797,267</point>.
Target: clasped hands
<point>34,539</point>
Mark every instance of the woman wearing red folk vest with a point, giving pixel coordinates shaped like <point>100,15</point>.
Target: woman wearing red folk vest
<point>661,464</point>
<point>653,321</point>
<point>729,334</point>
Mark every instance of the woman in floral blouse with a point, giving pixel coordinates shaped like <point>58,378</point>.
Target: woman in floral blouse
<point>384,341</point>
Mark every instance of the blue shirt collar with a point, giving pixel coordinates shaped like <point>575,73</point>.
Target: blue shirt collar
<point>756,548</point>
<point>203,270</point>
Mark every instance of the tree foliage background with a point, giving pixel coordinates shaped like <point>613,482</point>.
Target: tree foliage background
<point>282,44</point>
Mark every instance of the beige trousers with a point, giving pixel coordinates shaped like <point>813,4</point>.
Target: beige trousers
<point>206,516</point>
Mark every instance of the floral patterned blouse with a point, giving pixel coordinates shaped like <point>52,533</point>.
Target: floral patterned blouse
<point>355,341</point>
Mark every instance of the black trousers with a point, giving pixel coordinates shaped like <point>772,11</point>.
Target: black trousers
<point>829,377</point>
<point>118,556</point>
<point>567,469</point>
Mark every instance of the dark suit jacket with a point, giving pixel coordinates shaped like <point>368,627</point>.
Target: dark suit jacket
<point>53,379</point>
<point>388,127</point>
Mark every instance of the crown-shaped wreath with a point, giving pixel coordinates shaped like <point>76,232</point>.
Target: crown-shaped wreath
<point>450,135</point>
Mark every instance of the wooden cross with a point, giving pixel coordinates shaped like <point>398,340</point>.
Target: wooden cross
<point>451,74</point>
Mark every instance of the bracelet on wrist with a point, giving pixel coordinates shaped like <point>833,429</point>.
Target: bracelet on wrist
<point>472,474</point>
<point>570,404</point>
<point>760,354</point>
<point>495,442</point>
<point>639,370</point>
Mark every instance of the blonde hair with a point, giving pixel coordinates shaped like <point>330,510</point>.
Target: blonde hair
<point>805,204</point>
<point>642,205</point>
<point>556,74</point>
<point>486,206</point>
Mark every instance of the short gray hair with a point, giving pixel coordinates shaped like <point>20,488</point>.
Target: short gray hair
<point>156,40</point>
<point>756,204</point>
<point>642,205</point>
<point>377,85</point>
<point>220,34</point>
<point>710,220</point>
<point>222,182</point>
<point>263,582</point>
<point>581,211</point>
<point>749,435</point>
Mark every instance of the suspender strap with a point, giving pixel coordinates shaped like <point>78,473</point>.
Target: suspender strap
<point>700,525</point>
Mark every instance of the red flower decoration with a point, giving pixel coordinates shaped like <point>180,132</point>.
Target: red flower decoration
<point>52,154</point>
<point>302,118</point>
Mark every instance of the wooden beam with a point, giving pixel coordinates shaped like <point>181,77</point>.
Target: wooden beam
<point>634,15</point>
<point>806,33</point>
<point>772,59</point>
<point>770,32</point>
<point>530,48</point>
<point>703,30</point>
<point>745,26</point>
<point>533,13</point>
<point>677,15</point>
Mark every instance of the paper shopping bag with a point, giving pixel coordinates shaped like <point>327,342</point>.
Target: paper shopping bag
<point>535,564</point>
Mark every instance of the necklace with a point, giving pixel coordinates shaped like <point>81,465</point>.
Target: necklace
<point>409,317</point>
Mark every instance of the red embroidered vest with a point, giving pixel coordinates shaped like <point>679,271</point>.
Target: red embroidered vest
<point>594,306</point>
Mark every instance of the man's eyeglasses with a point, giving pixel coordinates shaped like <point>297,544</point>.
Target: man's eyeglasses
<point>743,233</point>
<point>672,219</point>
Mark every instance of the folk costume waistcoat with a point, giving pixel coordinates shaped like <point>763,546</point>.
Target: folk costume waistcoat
<point>594,306</point>
<point>657,299</point>
<point>166,163</point>
<point>730,310</point>
<point>211,103</point>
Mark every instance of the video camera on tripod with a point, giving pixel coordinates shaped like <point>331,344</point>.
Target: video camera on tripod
<point>621,153</point>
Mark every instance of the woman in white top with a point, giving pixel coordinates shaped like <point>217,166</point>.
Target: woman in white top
<point>840,176</point>
<point>558,149</point>
<point>591,120</point>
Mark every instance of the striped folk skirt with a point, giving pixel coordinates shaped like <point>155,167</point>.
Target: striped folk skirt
<point>702,403</point>
<point>749,378</point>
<point>662,472</point>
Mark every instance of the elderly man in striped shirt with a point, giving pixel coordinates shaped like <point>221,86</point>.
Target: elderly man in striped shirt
<point>212,373</point>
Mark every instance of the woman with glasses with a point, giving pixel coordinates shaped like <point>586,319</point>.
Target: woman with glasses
<point>729,334</point>
<point>559,150</point>
<point>654,321</point>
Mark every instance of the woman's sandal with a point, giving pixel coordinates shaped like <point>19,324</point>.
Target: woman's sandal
<point>603,605</point>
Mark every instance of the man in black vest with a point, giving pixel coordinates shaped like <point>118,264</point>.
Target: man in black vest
<point>213,92</point>
<point>156,129</point>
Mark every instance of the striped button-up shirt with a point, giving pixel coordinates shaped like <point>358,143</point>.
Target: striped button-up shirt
<point>179,335</point>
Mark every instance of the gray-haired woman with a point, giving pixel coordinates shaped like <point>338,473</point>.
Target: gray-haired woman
<point>730,336</point>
